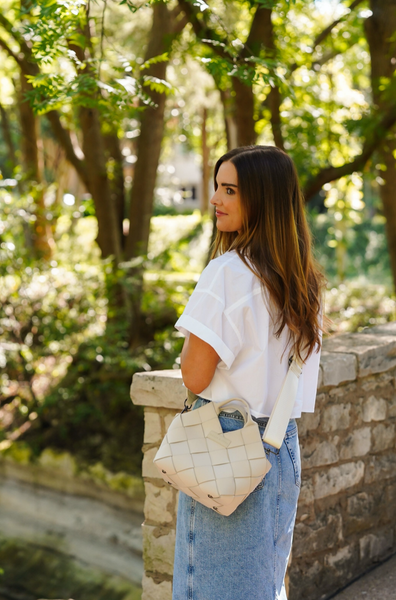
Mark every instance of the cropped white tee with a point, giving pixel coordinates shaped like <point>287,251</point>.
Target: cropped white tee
<point>228,310</point>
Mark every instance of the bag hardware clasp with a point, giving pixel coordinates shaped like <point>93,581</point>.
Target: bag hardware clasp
<point>268,451</point>
<point>186,407</point>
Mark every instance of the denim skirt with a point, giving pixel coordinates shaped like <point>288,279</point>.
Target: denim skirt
<point>243,556</point>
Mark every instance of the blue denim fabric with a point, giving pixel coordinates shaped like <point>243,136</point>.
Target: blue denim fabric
<point>243,556</point>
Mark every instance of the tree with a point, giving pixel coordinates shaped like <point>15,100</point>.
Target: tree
<point>240,63</point>
<point>381,36</point>
<point>30,148</point>
<point>276,43</point>
<point>261,50</point>
<point>98,109</point>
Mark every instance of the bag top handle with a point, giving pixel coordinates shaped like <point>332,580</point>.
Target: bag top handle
<point>236,402</point>
<point>279,419</point>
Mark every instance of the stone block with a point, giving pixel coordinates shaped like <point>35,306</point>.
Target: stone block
<point>374,547</point>
<point>360,505</point>
<point>380,468</point>
<point>148,467</point>
<point>342,565</point>
<point>384,329</point>
<point>377,381</point>
<point>168,419</point>
<point>308,422</point>
<point>305,513</point>
<point>306,580</point>
<point>375,353</point>
<point>152,427</point>
<point>162,389</point>
<point>336,416</point>
<point>159,504</point>
<point>322,534</point>
<point>392,407</point>
<point>339,559</point>
<point>320,378</point>
<point>306,492</point>
<point>315,455</point>
<point>338,367</point>
<point>158,549</point>
<point>374,409</point>
<point>357,443</point>
<point>156,591</point>
<point>383,437</point>
<point>364,511</point>
<point>390,502</point>
<point>336,479</point>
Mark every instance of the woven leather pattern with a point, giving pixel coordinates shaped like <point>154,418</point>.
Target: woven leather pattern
<point>217,469</point>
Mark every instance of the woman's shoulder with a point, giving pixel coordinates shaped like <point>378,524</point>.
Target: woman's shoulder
<point>229,261</point>
<point>229,272</point>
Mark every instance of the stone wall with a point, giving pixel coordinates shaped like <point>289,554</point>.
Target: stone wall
<point>347,511</point>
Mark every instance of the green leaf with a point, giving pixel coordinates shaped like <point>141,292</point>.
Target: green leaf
<point>155,60</point>
<point>157,85</point>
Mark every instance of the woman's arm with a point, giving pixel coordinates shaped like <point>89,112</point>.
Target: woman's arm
<point>198,362</point>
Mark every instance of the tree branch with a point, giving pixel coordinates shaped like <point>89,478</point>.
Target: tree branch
<point>262,36</point>
<point>175,12</point>
<point>371,143</point>
<point>10,52</point>
<point>63,137</point>
<point>14,33</point>
<point>5,125</point>
<point>201,30</point>
<point>180,24</point>
<point>323,35</point>
<point>30,68</point>
<point>326,32</point>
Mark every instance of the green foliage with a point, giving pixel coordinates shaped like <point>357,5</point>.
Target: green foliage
<point>357,304</point>
<point>77,69</point>
<point>362,241</point>
<point>66,363</point>
<point>134,7</point>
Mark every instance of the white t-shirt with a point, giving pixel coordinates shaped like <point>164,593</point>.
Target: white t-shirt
<point>227,310</point>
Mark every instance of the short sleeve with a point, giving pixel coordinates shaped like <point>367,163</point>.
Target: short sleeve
<point>207,313</point>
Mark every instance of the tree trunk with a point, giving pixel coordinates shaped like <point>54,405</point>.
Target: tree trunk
<point>33,171</point>
<point>117,189</point>
<point>244,113</point>
<point>380,30</point>
<point>98,184</point>
<point>150,139</point>
<point>5,126</point>
<point>229,119</point>
<point>388,197</point>
<point>205,165</point>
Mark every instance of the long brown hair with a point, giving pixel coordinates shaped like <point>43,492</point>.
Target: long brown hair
<point>275,242</point>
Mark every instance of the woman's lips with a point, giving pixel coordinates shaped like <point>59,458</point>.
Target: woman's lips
<point>220,214</point>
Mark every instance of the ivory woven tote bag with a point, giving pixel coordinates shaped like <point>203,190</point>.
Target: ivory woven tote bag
<point>221,469</point>
<point>218,469</point>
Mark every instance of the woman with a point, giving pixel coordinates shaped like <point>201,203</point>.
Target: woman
<point>255,305</point>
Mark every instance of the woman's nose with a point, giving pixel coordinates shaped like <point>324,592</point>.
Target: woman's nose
<point>213,199</point>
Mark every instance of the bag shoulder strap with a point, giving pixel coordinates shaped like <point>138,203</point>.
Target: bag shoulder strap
<point>275,430</point>
<point>277,424</point>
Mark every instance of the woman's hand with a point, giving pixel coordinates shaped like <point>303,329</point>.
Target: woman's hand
<point>198,363</point>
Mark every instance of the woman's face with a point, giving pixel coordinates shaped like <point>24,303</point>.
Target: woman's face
<point>226,199</point>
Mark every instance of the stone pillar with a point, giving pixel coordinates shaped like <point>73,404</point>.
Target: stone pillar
<point>162,394</point>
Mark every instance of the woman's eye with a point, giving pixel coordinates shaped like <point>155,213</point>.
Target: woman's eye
<point>229,191</point>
